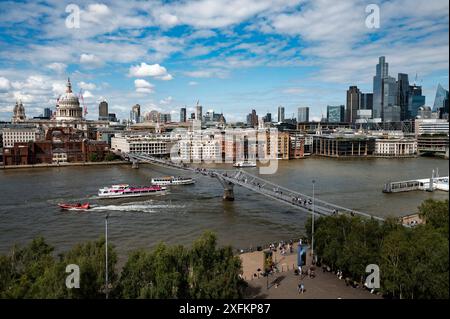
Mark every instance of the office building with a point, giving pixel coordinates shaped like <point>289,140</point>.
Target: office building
<point>441,97</point>
<point>103,111</point>
<point>382,71</point>
<point>353,103</point>
<point>389,96</point>
<point>252,119</point>
<point>392,113</point>
<point>303,114</point>
<point>135,114</point>
<point>19,134</point>
<point>281,114</point>
<point>396,147</point>
<point>366,102</point>
<point>403,95</point>
<point>183,115</point>
<point>48,113</point>
<point>335,113</point>
<point>198,112</point>
<point>267,118</point>
<point>415,101</point>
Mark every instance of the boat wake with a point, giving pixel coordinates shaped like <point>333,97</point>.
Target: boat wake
<point>143,207</point>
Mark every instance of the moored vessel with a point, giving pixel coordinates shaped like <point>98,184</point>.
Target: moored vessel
<point>244,164</point>
<point>172,180</point>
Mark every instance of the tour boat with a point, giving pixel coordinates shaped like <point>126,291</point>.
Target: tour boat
<point>244,164</point>
<point>77,206</point>
<point>172,180</point>
<point>125,190</point>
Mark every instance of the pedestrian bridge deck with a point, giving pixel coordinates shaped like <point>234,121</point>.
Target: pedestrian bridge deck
<point>258,185</point>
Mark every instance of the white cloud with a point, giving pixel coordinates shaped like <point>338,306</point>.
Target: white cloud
<point>87,95</point>
<point>166,101</point>
<point>90,60</point>
<point>87,86</point>
<point>192,83</point>
<point>5,85</point>
<point>58,67</point>
<point>207,73</point>
<point>220,13</point>
<point>153,70</point>
<point>142,86</point>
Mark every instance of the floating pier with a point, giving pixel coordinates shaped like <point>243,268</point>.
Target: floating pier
<point>425,184</point>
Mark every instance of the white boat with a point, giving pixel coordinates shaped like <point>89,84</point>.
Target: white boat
<point>172,180</point>
<point>244,164</point>
<point>125,190</point>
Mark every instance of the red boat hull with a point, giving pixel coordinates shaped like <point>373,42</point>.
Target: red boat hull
<point>75,206</point>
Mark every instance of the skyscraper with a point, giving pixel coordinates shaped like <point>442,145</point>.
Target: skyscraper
<point>335,113</point>
<point>48,113</point>
<point>403,95</point>
<point>416,100</point>
<point>439,100</point>
<point>389,95</point>
<point>252,119</point>
<point>198,111</point>
<point>135,114</point>
<point>281,114</point>
<point>267,118</point>
<point>103,111</point>
<point>353,103</point>
<point>382,72</point>
<point>183,114</point>
<point>366,102</point>
<point>303,114</point>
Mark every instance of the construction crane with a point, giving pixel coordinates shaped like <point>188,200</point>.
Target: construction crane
<point>82,101</point>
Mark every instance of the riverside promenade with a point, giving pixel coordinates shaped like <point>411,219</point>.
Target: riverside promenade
<point>12,167</point>
<point>284,284</point>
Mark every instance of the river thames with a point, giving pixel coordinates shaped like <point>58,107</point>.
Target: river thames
<point>29,199</point>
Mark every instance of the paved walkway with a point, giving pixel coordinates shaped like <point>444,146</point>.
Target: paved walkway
<point>324,285</point>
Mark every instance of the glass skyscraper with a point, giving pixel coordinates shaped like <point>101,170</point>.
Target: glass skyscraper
<point>382,71</point>
<point>303,114</point>
<point>280,114</point>
<point>416,100</point>
<point>441,96</point>
<point>366,102</point>
<point>403,95</point>
<point>335,113</point>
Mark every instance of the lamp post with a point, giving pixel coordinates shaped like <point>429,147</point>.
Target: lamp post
<point>106,255</point>
<point>312,222</point>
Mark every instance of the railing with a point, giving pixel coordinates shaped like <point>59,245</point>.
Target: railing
<point>258,185</point>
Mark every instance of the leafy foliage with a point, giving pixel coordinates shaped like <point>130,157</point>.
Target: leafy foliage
<point>204,271</point>
<point>414,262</point>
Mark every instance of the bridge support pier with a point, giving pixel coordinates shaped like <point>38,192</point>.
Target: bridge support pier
<point>228,192</point>
<point>228,189</point>
<point>135,164</point>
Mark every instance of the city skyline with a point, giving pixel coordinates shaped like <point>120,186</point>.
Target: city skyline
<point>167,56</point>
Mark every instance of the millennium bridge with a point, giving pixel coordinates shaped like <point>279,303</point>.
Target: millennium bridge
<point>229,178</point>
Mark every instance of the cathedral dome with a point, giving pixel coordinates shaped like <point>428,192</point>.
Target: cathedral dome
<point>68,106</point>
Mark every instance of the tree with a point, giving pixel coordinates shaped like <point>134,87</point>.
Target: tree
<point>93,157</point>
<point>214,272</point>
<point>435,214</point>
<point>90,257</point>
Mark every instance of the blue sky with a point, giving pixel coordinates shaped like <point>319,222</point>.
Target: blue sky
<point>231,55</point>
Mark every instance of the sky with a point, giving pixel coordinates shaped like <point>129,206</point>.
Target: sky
<point>232,56</point>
